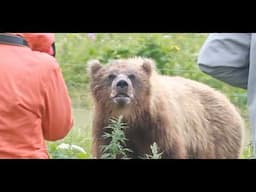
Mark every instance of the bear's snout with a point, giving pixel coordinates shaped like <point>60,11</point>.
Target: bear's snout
<point>122,86</point>
<point>122,90</point>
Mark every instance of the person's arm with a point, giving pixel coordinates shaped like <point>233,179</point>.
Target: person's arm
<point>57,119</point>
<point>225,56</point>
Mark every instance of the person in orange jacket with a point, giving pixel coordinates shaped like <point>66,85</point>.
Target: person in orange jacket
<point>34,102</point>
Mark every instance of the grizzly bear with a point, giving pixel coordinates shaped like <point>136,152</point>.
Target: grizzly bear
<point>185,118</point>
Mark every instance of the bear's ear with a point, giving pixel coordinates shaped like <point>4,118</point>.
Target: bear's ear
<point>148,66</point>
<point>93,66</point>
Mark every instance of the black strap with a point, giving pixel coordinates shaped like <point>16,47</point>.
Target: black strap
<point>12,40</point>
<point>54,50</point>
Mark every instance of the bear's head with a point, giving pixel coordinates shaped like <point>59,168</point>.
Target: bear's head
<point>121,83</point>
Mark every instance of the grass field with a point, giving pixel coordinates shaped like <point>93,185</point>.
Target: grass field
<point>175,54</point>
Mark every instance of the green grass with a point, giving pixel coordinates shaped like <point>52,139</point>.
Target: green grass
<point>79,135</point>
<point>175,54</point>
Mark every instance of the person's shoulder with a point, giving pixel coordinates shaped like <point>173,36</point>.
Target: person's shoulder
<point>47,67</point>
<point>46,61</point>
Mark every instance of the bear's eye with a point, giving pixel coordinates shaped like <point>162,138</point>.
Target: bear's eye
<point>111,77</point>
<point>131,76</point>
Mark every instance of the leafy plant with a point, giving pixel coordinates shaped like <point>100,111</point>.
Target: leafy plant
<point>115,133</point>
<point>117,139</point>
<point>155,152</point>
<point>248,152</point>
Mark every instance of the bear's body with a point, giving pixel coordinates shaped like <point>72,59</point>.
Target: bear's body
<point>185,118</point>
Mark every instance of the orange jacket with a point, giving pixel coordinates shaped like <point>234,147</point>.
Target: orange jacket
<point>34,102</point>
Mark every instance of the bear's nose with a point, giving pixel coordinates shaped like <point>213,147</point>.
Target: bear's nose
<point>122,84</point>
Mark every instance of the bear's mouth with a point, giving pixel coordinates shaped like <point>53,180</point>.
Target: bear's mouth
<point>121,99</point>
<point>121,95</point>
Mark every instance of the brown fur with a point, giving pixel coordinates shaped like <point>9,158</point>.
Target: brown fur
<point>186,119</point>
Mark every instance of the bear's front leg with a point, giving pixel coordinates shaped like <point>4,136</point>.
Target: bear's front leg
<point>98,142</point>
<point>97,148</point>
<point>177,150</point>
<point>172,146</point>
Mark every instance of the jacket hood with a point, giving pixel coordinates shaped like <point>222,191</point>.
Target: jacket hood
<point>39,41</point>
